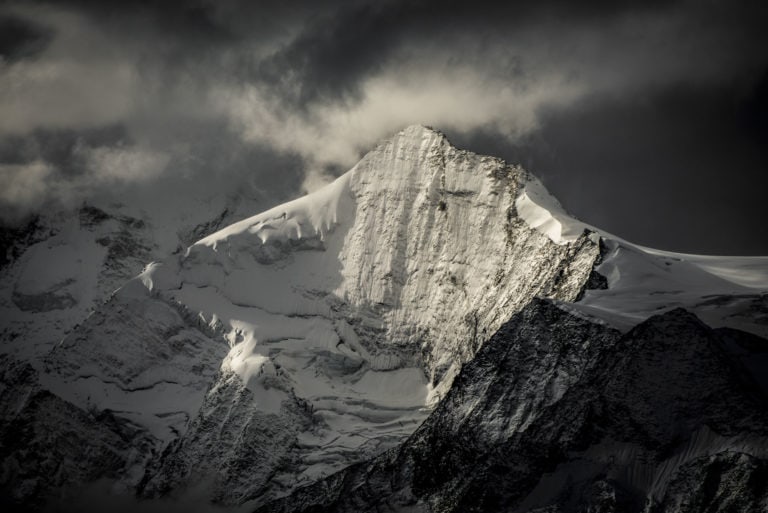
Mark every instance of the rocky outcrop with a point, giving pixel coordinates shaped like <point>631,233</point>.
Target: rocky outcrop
<point>49,447</point>
<point>660,419</point>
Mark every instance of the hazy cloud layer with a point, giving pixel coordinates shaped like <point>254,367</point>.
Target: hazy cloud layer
<point>647,118</point>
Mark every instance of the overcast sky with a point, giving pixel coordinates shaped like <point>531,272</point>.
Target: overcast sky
<point>648,118</point>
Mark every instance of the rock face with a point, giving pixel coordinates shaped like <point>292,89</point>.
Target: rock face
<point>557,414</point>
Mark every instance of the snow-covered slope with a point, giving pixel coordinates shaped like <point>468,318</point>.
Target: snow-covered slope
<point>62,264</point>
<point>722,290</point>
<point>66,265</point>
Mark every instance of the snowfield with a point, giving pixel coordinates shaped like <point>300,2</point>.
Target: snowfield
<point>721,290</point>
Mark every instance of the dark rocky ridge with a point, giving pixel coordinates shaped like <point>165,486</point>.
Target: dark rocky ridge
<point>661,419</point>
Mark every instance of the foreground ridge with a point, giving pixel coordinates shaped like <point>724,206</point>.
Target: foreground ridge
<point>559,414</point>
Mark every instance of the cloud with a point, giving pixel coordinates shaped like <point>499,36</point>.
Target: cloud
<point>293,92</point>
<point>31,185</point>
<point>107,105</point>
<point>335,134</point>
<point>80,79</point>
<point>128,164</point>
<point>23,184</point>
<point>21,38</point>
<point>333,101</point>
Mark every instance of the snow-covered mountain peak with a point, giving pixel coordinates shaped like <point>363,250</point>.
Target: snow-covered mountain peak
<point>337,319</point>
<point>317,213</point>
<point>292,343</point>
<point>408,222</point>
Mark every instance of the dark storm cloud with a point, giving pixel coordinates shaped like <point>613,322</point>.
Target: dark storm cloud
<point>59,147</point>
<point>609,101</point>
<point>338,49</point>
<point>21,38</point>
<point>680,167</point>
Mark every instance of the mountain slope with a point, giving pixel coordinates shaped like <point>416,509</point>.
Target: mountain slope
<point>335,320</point>
<point>660,419</point>
<point>287,346</point>
<point>363,300</point>
<point>635,282</point>
<point>61,265</point>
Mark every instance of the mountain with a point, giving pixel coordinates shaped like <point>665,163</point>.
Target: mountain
<point>320,334</point>
<point>558,414</point>
<point>60,265</point>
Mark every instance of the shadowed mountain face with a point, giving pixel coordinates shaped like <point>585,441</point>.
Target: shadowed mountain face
<point>557,414</point>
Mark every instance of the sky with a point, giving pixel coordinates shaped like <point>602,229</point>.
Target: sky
<point>648,119</point>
